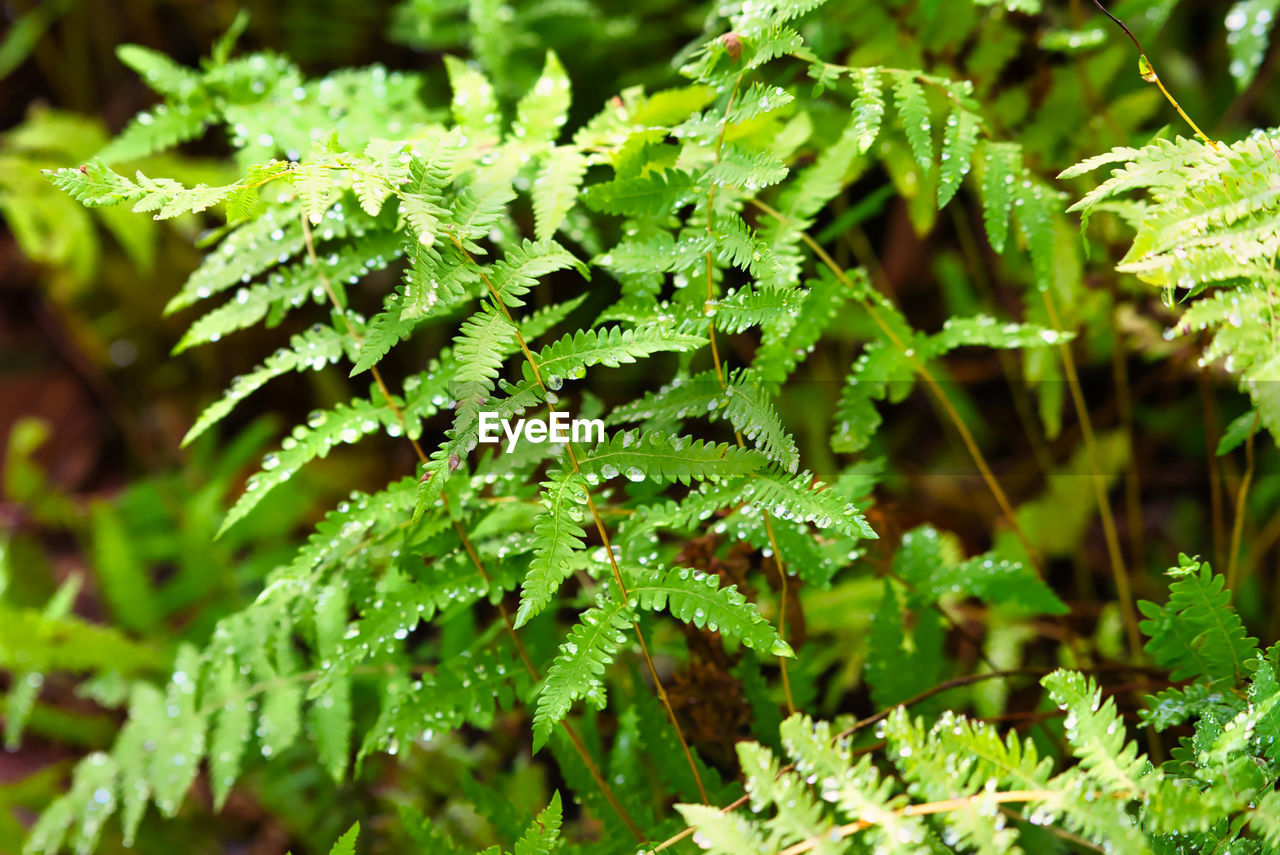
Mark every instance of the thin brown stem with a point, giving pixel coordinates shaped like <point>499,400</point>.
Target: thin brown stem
<point>1132,476</point>
<point>842,831</point>
<point>930,382</point>
<point>1149,74</point>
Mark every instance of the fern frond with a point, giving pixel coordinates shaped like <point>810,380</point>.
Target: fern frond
<point>959,138</point>
<point>751,170</point>
<point>741,309</point>
<point>422,202</point>
<point>555,190</point>
<point>662,458</point>
<point>749,410</point>
<point>314,349</point>
<point>344,424</point>
<point>577,671</point>
<point>558,536</point>
<point>289,288</point>
<point>802,498</point>
<point>515,274</point>
<point>542,111</point>
<point>697,598</point>
<point>901,662</point>
<point>1198,633</point>
<point>158,71</point>
<point>475,106</point>
<point>868,107</point>
<point>231,730</point>
<point>986,331</point>
<point>157,130</point>
<point>1096,732</point>
<point>575,352</point>
<point>543,834</point>
<point>913,111</point>
<point>484,340</point>
<point>652,195</point>
<point>1002,170</point>
<point>468,689</point>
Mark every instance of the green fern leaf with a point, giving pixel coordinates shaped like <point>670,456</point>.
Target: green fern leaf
<point>1198,633</point>
<point>484,340</point>
<point>178,732</point>
<point>1248,35</point>
<point>900,663</point>
<point>542,111</point>
<point>1001,172</point>
<point>475,106</point>
<point>577,671</point>
<point>346,844</point>
<point>158,71</point>
<point>513,276</point>
<point>868,107</point>
<point>750,170</point>
<point>314,349</point>
<point>662,458</point>
<point>331,712</point>
<point>575,352</point>
<point>542,835</point>
<point>422,202</point>
<point>913,111</point>
<point>959,139</point>
<point>653,195</point>
<point>345,424</point>
<point>232,729</point>
<point>157,130</point>
<point>289,288</point>
<point>559,536</point>
<point>1096,732</point>
<point>555,190</point>
<point>697,598</point>
<point>986,331</point>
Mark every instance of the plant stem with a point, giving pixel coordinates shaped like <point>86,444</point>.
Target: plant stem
<point>842,831</point>
<point>715,357</point>
<point>1151,76</point>
<point>1118,570</point>
<point>921,369</point>
<point>1132,476</point>
<point>956,682</point>
<point>1211,428</point>
<point>1237,529</point>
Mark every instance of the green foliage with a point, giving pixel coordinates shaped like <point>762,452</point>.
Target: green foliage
<point>1204,229</point>
<point>686,260</point>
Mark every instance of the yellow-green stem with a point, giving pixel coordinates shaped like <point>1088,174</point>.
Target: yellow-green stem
<point>1114,555</point>
<point>1237,529</point>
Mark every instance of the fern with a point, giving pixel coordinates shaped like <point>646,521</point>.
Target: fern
<point>698,599</point>
<point>688,576</point>
<point>1198,634</point>
<point>577,672</point>
<point>559,534</point>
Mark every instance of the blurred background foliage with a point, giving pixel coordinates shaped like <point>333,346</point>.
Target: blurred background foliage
<point>108,527</point>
